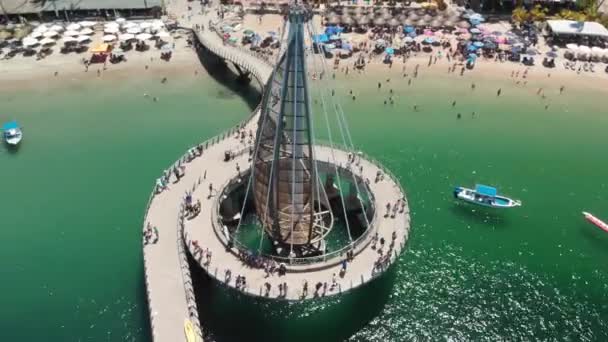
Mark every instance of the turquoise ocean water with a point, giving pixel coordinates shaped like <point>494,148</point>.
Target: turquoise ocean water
<point>73,197</point>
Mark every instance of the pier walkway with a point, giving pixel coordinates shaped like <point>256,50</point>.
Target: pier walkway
<point>168,284</point>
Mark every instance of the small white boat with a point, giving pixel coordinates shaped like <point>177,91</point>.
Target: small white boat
<point>12,133</point>
<point>486,196</point>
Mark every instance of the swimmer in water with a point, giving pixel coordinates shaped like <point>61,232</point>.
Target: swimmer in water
<point>499,91</point>
<point>454,103</point>
<point>458,116</point>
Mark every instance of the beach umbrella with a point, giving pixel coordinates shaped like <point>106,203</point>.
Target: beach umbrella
<point>472,47</point>
<point>393,22</point>
<point>379,21</point>
<point>71,33</point>
<point>67,40</point>
<point>83,39</point>
<point>49,34</point>
<point>166,48</point>
<point>41,29</point>
<point>29,42</point>
<point>126,37</point>
<point>120,20</point>
<point>87,23</point>
<point>35,34</point>
<point>427,17</point>
<point>73,27</point>
<point>57,28</point>
<point>551,54</point>
<point>449,23</point>
<point>112,24</point>
<point>413,16</point>
<point>347,20</point>
<point>479,44</point>
<point>143,36</point>
<point>597,50</point>
<point>109,38</point>
<point>165,34</point>
<point>584,49</point>
<point>572,47</point>
<point>428,40</point>
<point>387,16</point>
<point>145,25</point>
<point>86,31</point>
<point>436,23</point>
<point>389,51</point>
<point>408,40</point>
<point>409,29</point>
<point>475,30</point>
<point>112,30</point>
<point>47,41</point>
<point>407,22</point>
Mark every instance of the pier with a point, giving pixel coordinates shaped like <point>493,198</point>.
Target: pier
<point>204,172</point>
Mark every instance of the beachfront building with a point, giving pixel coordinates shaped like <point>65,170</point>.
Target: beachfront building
<point>69,9</point>
<point>567,31</point>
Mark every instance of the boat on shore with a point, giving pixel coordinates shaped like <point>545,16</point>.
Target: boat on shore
<point>486,196</point>
<point>596,221</point>
<point>12,133</point>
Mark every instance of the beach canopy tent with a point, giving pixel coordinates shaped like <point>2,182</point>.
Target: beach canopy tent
<point>577,28</point>
<point>321,38</point>
<point>485,190</point>
<point>101,48</point>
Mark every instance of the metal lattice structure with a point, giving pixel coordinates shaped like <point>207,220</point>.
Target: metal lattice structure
<point>286,188</point>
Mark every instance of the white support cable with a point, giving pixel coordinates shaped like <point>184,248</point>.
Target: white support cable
<point>348,143</point>
<point>314,160</point>
<point>255,152</point>
<point>334,158</point>
<point>295,139</point>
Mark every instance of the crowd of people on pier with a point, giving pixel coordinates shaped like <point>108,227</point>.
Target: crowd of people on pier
<point>150,235</point>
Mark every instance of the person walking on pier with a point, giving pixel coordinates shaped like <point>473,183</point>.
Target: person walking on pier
<point>305,289</point>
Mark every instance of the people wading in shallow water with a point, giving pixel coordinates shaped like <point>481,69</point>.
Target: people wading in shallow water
<point>499,91</point>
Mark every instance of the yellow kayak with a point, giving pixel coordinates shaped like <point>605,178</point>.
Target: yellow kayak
<point>189,330</point>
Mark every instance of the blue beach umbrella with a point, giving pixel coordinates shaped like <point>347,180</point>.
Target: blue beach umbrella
<point>390,51</point>
<point>429,40</point>
<point>472,56</point>
<point>479,44</point>
<point>334,37</point>
<point>475,30</point>
<point>412,34</point>
<point>474,22</point>
<point>409,29</point>
<point>491,45</point>
<point>472,47</point>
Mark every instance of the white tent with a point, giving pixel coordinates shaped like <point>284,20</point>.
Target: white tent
<point>577,28</point>
<point>109,38</point>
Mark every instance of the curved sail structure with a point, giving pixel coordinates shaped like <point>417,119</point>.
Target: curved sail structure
<point>285,181</point>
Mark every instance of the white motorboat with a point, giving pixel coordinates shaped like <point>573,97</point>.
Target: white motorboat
<point>486,196</point>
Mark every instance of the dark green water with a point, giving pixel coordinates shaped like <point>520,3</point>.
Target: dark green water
<point>74,195</point>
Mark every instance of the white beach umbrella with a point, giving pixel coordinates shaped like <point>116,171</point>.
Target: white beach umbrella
<point>41,29</point>
<point>158,23</point>
<point>120,20</point>
<point>87,23</point>
<point>109,38</point>
<point>597,50</point>
<point>57,28</point>
<point>73,27</point>
<point>50,34</point>
<point>145,25</point>
<point>28,42</point>
<point>163,34</point>
<point>584,49</point>
<point>143,36</point>
<point>126,36</point>
<point>134,30</point>
<point>86,31</point>
<point>69,40</point>
<point>112,24</point>
<point>83,39</point>
<point>71,33</point>
<point>47,41</point>
<point>573,47</point>
<point>35,35</point>
<point>111,30</point>
<point>129,24</point>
